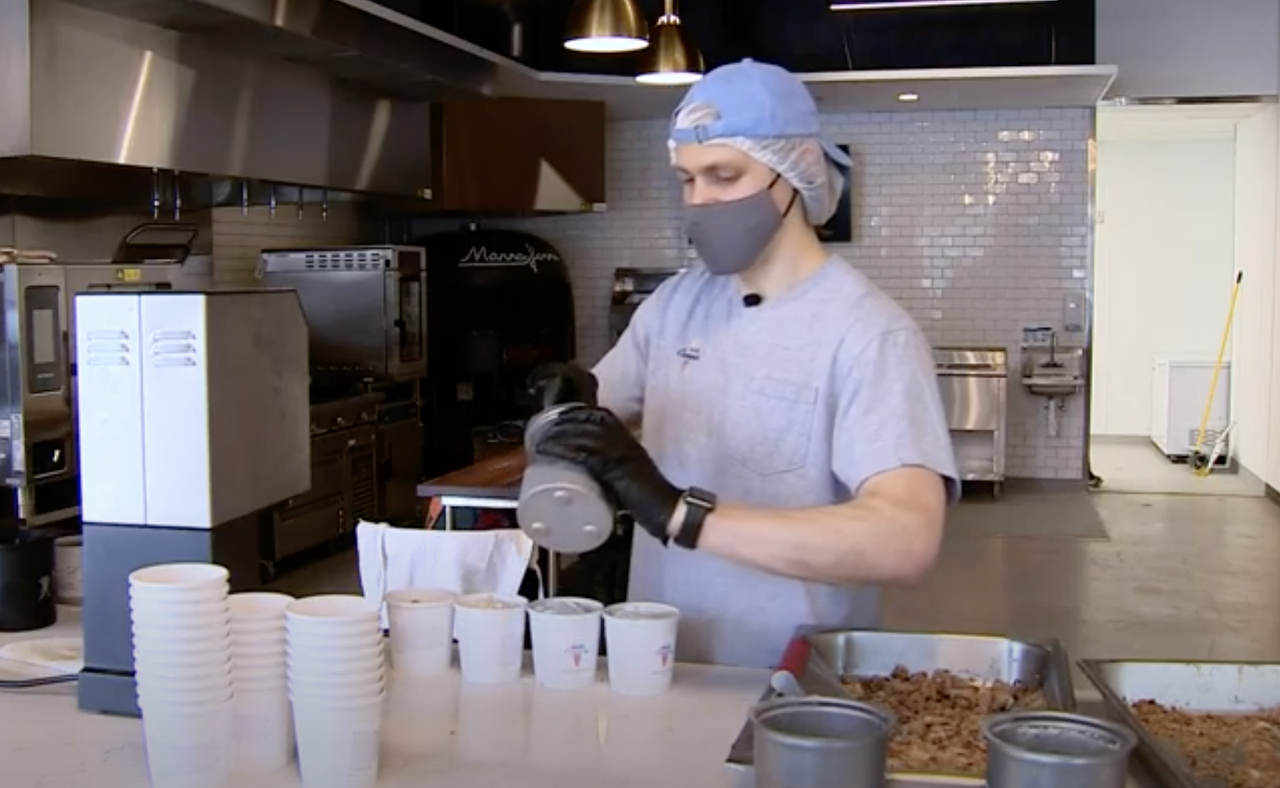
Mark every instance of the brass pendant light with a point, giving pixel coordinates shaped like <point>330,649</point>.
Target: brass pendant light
<point>672,58</point>
<point>606,26</point>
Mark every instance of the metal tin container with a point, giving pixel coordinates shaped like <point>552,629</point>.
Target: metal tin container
<point>561,507</point>
<point>1209,688</point>
<point>819,658</point>
<point>1047,749</point>
<point>818,742</point>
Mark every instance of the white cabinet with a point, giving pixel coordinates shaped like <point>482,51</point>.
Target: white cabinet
<point>192,407</point>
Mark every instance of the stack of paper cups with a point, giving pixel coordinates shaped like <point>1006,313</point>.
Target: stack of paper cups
<point>334,659</point>
<point>263,738</point>
<point>182,658</point>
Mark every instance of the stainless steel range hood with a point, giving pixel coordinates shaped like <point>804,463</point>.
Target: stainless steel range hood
<point>355,41</point>
<point>321,93</point>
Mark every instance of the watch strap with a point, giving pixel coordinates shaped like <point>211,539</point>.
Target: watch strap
<point>698,504</point>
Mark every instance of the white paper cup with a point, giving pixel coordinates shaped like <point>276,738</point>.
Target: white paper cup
<point>249,656</point>
<point>334,662</point>
<point>173,647</point>
<point>160,691</point>
<point>190,748</point>
<point>257,629</point>
<point>180,579</point>
<point>421,622</point>
<point>250,686</point>
<point>336,693</point>
<point>358,644</point>
<point>263,737</point>
<point>176,629</point>
<point>566,641</point>
<point>332,613</point>
<point>320,680</point>
<point>151,666</point>
<point>641,638</point>
<point>184,700</point>
<point>259,606</point>
<point>338,743</point>
<point>261,671</point>
<point>177,609</point>
<point>201,655</point>
<point>490,632</point>
<point>254,651</point>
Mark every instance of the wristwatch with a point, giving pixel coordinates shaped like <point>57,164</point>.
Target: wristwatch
<point>698,503</point>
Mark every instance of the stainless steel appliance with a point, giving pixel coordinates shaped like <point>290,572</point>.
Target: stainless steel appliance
<point>344,480</point>
<point>365,307</point>
<point>974,383</point>
<point>192,420</point>
<point>37,400</point>
<point>631,286</point>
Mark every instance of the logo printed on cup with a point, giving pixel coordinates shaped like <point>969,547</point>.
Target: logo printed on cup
<point>664,653</point>
<point>576,652</point>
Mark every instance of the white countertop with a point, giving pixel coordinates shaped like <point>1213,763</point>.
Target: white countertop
<point>442,733</point>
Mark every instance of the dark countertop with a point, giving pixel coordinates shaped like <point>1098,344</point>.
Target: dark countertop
<point>496,477</point>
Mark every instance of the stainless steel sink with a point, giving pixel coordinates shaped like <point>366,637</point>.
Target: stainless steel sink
<point>1053,385</point>
<point>1053,371</point>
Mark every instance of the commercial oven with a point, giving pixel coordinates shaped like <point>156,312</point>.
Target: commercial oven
<point>365,306</point>
<point>37,376</point>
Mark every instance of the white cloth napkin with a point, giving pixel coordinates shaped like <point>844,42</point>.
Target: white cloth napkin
<point>464,562</point>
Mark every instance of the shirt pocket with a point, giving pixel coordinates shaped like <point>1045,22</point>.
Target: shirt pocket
<point>770,425</point>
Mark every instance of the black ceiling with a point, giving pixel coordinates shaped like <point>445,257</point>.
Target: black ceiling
<point>801,35</point>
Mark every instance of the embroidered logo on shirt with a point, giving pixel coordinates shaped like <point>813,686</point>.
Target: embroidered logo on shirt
<point>690,353</point>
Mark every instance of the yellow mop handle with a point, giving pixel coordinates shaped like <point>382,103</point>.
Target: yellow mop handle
<point>1217,367</point>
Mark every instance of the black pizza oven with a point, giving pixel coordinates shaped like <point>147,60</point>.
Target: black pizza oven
<point>499,303</point>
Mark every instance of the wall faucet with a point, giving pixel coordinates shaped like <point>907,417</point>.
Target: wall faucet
<point>1053,350</point>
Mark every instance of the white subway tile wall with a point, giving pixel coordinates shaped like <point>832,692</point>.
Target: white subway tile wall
<point>976,222</point>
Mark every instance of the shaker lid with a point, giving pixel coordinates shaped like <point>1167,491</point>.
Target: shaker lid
<point>561,516</point>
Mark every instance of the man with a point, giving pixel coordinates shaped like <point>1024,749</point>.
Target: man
<point>795,453</point>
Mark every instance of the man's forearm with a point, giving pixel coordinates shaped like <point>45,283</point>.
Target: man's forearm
<point>865,541</point>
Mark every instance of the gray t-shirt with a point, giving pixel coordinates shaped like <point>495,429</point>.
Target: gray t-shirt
<point>792,403</point>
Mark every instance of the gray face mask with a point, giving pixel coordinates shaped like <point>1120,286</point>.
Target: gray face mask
<point>730,236</point>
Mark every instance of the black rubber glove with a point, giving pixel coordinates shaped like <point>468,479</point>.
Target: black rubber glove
<point>561,383</point>
<point>597,441</point>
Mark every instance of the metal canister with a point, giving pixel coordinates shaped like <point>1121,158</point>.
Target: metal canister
<point>561,507</point>
<point>1049,749</point>
<point>817,742</point>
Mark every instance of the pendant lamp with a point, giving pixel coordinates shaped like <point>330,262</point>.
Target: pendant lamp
<point>672,58</point>
<point>606,26</point>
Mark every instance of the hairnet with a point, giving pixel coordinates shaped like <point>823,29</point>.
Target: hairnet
<point>799,160</point>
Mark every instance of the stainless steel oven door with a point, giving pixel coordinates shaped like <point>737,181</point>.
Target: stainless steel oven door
<point>406,315</point>
<point>37,414</point>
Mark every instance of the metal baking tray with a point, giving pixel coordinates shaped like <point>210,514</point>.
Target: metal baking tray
<point>1209,687</point>
<point>819,658</point>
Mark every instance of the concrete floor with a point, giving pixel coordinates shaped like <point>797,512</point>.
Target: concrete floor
<point>1181,577</point>
<point>1177,577</point>
<point>1135,465</point>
